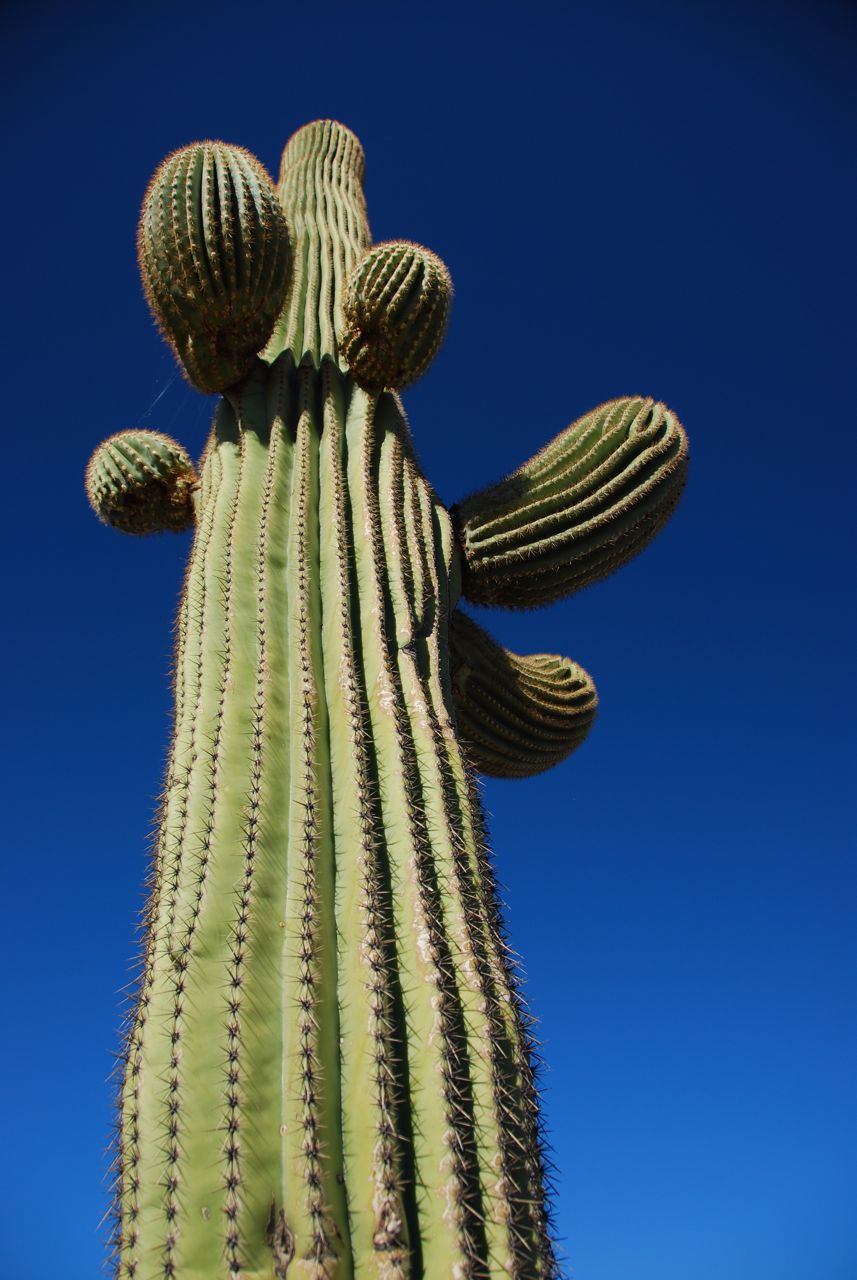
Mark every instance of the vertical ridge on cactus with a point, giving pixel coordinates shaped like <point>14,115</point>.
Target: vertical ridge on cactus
<point>321,190</point>
<point>328,1070</point>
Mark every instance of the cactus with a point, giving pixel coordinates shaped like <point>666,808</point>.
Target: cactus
<point>328,1070</point>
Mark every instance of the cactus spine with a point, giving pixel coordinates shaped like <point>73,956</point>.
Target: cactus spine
<point>327,1072</point>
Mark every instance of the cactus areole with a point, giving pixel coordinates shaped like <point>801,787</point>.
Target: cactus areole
<point>327,1072</point>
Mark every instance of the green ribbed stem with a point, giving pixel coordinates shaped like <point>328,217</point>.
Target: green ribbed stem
<point>328,1070</point>
<point>517,716</point>
<point>576,511</point>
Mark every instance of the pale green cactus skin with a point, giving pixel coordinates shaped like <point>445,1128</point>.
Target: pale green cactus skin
<point>328,1071</point>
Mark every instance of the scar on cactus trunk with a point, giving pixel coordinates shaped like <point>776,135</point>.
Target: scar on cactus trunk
<point>328,1071</point>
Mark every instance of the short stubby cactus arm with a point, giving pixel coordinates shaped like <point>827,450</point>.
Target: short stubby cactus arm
<point>517,716</point>
<point>395,314</point>
<point>215,258</point>
<point>582,507</point>
<point>142,482</point>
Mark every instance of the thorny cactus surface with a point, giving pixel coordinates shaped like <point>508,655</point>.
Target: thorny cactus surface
<point>328,1072</point>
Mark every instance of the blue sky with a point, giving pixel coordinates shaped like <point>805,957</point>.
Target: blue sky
<point>652,197</point>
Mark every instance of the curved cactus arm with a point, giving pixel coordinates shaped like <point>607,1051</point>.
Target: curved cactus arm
<point>589,501</point>
<point>517,716</point>
<point>142,482</point>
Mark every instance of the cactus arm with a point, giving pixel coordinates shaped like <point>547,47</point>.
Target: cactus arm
<point>576,511</point>
<point>142,482</point>
<point>517,715</point>
<point>215,257</point>
<point>395,313</point>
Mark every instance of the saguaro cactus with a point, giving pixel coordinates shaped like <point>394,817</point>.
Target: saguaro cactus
<point>328,1070</point>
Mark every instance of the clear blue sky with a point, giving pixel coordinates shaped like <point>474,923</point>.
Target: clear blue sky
<point>632,196</point>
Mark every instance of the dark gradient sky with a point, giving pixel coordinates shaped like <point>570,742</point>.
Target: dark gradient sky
<point>631,197</point>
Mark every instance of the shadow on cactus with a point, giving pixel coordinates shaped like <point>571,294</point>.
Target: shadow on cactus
<point>328,1071</point>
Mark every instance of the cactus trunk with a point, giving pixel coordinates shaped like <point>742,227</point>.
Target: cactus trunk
<point>328,1072</point>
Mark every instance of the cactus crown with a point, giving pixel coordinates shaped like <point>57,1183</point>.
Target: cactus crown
<point>321,190</point>
<point>231,267</point>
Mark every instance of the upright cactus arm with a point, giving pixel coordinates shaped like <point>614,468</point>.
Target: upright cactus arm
<point>517,716</point>
<point>583,506</point>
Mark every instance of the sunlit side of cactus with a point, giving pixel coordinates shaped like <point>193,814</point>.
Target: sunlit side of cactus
<point>328,1070</point>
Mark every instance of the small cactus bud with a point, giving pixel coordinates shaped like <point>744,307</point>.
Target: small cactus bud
<point>395,310</point>
<point>215,259</point>
<point>141,482</point>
